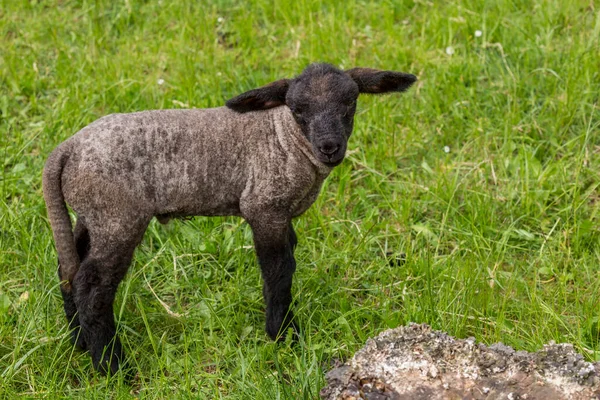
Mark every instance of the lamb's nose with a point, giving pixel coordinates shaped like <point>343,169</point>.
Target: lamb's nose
<point>328,148</point>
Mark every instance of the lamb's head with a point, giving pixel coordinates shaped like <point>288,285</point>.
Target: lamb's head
<point>323,101</point>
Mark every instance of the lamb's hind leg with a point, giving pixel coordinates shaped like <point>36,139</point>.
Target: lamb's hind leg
<point>95,286</point>
<point>82,242</point>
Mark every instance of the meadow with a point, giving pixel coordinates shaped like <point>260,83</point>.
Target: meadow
<point>470,203</point>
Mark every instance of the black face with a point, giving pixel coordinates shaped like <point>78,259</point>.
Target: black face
<point>323,102</point>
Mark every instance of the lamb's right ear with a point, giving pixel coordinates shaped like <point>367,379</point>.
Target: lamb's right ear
<point>376,81</point>
<point>265,97</point>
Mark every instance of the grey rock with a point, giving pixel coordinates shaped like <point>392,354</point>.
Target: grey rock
<point>416,362</point>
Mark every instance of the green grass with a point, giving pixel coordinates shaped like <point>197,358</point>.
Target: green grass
<point>501,233</point>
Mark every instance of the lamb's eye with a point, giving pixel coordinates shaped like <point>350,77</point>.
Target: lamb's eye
<point>297,114</point>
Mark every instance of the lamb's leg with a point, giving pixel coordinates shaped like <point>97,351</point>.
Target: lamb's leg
<point>274,243</point>
<point>292,237</point>
<point>82,242</point>
<point>95,286</point>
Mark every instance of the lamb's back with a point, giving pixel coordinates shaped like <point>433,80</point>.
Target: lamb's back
<point>182,162</point>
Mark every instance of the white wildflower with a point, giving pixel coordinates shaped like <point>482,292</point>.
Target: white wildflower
<point>449,50</point>
<point>160,81</point>
<point>478,33</point>
<point>220,19</point>
<point>446,149</point>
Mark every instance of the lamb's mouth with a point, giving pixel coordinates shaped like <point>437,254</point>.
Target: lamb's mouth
<point>332,164</point>
<point>330,160</point>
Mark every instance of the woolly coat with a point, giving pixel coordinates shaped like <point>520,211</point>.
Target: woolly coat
<point>120,171</point>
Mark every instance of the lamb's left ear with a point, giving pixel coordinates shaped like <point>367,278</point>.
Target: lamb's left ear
<point>376,81</point>
<point>269,96</point>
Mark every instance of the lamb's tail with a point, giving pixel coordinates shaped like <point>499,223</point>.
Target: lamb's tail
<point>59,217</point>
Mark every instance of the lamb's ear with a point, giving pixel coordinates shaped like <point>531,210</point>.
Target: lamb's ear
<point>269,96</point>
<point>376,81</point>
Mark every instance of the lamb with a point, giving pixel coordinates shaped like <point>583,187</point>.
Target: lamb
<point>262,157</point>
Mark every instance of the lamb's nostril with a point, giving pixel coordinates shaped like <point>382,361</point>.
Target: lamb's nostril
<point>329,148</point>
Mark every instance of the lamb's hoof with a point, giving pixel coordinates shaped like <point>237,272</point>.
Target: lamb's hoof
<point>280,334</point>
<point>108,360</point>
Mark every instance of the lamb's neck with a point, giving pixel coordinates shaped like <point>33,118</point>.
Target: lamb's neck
<point>292,139</point>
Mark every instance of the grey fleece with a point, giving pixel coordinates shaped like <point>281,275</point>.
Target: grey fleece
<point>123,169</point>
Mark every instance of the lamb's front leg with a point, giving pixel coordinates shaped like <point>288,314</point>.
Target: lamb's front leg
<point>274,240</point>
